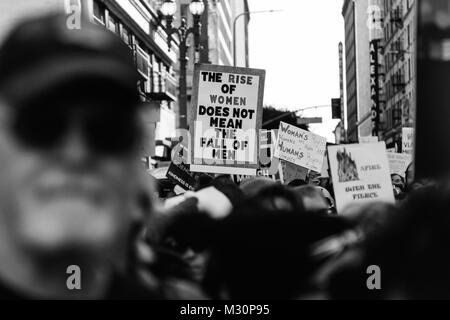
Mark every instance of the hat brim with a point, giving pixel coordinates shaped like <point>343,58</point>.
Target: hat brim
<point>53,74</point>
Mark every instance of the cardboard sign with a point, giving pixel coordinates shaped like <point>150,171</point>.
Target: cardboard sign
<point>300,147</point>
<point>398,162</point>
<point>226,118</point>
<point>368,139</point>
<point>360,173</point>
<point>407,140</point>
<point>325,168</point>
<point>267,147</point>
<point>180,175</point>
<point>292,172</point>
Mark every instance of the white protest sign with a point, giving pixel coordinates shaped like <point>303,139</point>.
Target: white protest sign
<point>300,147</point>
<point>407,140</point>
<point>360,173</point>
<point>368,139</point>
<point>398,162</point>
<point>226,118</point>
<point>293,172</point>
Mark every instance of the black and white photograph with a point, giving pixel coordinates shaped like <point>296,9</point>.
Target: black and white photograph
<point>224,155</point>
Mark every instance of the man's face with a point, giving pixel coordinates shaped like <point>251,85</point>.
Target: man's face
<point>66,195</point>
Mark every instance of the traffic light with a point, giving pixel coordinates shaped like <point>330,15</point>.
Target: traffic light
<point>336,108</point>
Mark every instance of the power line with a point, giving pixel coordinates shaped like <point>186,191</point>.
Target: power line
<point>294,112</point>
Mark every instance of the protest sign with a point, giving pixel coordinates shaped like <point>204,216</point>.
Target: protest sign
<point>407,140</point>
<point>267,146</point>
<point>325,168</point>
<point>268,164</point>
<point>398,162</point>
<point>180,175</point>
<point>360,173</point>
<point>226,118</point>
<point>300,147</point>
<point>292,172</point>
<point>368,139</point>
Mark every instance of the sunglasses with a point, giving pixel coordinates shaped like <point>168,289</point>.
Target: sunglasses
<point>111,131</point>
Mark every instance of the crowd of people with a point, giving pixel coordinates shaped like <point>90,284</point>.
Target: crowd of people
<point>73,193</point>
<point>276,241</point>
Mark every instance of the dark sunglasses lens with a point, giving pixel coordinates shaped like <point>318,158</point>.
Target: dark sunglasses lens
<point>39,127</point>
<point>115,133</point>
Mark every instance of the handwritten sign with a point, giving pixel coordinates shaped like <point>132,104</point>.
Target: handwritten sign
<point>226,117</point>
<point>300,147</point>
<point>407,140</point>
<point>398,162</point>
<point>360,173</point>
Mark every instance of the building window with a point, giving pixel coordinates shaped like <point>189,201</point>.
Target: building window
<point>143,66</point>
<point>99,12</point>
<point>409,34</point>
<point>409,69</point>
<point>125,35</point>
<point>113,25</point>
<point>156,75</point>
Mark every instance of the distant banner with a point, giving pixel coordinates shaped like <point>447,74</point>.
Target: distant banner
<point>407,140</point>
<point>226,118</point>
<point>398,162</point>
<point>300,147</point>
<point>360,173</point>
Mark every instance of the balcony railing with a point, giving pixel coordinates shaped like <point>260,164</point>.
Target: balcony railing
<point>164,87</point>
<point>154,84</point>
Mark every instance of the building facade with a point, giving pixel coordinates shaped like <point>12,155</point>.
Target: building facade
<point>400,25</point>
<point>358,15</point>
<point>216,39</point>
<point>136,23</point>
<point>348,12</point>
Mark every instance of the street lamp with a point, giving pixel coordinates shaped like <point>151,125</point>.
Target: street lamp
<point>234,28</point>
<point>168,10</point>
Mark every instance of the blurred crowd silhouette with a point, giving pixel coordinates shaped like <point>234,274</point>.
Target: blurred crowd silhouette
<point>72,192</point>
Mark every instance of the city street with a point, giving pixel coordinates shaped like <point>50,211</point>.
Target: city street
<point>214,151</point>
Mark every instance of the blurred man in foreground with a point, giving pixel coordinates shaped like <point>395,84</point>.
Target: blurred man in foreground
<point>68,142</point>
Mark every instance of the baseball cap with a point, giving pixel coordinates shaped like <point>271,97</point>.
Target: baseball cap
<point>42,53</point>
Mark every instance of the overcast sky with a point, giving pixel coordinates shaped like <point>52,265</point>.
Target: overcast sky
<point>298,48</point>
